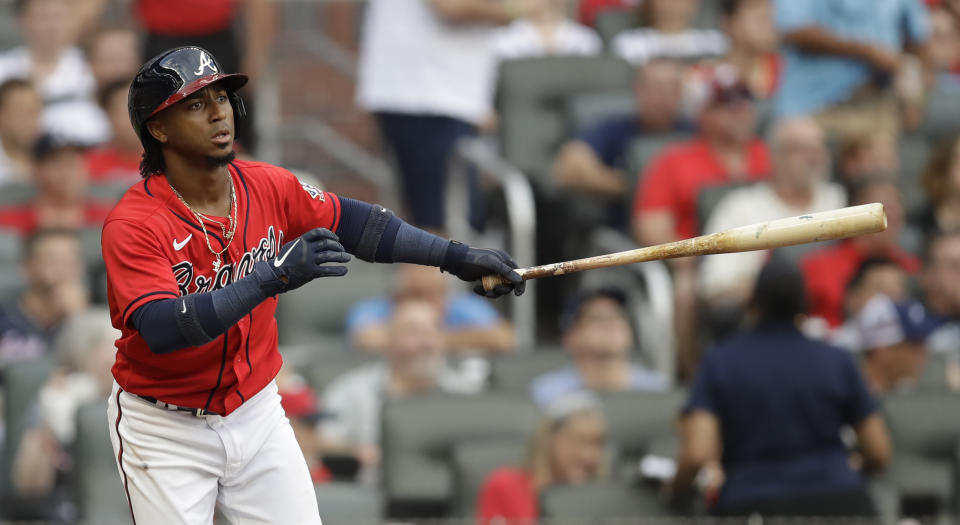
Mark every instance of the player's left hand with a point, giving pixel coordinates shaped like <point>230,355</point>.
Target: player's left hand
<point>470,264</point>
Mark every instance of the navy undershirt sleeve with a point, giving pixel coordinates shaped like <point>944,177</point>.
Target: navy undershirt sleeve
<point>196,319</point>
<point>399,241</point>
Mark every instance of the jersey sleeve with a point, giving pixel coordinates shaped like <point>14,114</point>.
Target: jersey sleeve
<point>307,207</point>
<point>137,270</point>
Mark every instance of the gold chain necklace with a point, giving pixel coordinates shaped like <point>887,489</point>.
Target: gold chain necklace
<point>227,234</point>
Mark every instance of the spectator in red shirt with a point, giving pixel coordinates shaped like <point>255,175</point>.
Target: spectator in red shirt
<point>568,448</point>
<point>665,204</point>
<point>20,108</point>
<point>61,200</point>
<point>828,270</point>
<point>117,161</point>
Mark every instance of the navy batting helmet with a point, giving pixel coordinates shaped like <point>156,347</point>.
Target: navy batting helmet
<point>171,77</point>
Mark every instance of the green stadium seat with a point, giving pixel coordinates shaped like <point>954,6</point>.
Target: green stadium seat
<point>98,488</point>
<point>600,502</point>
<point>349,504</point>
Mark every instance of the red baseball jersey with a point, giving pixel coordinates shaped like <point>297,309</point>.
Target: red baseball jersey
<point>155,249</point>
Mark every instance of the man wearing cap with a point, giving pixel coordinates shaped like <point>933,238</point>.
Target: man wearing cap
<point>597,334</point>
<point>665,204</point>
<point>892,337</point>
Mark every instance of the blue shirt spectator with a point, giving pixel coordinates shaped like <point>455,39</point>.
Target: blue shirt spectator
<point>609,139</point>
<point>548,388</point>
<point>470,322</point>
<point>461,310</point>
<point>813,81</point>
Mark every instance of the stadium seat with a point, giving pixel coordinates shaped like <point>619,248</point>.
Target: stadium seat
<point>321,371</point>
<point>600,501</point>
<point>419,435</point>
<point>21,383</point>
<point>914,151</point>
<point>643,149</point>
<point>925,445</point>
<point>642,422</point>
<point>349,504</point>
<point>933,375</point>
<point>612,21</point>
<point>98,488</point>
<point>13,193</point>
<point>514,372</point>
<point>473,461</point>
<point>320,307</point>
<point>108,193</point>
<point>588,109</point>
<point>940,119</point>
<point>531,101</point>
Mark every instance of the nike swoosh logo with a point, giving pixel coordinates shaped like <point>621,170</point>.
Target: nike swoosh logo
<point>184,310</point>
<point>177,246</point>
<point>279,260</point>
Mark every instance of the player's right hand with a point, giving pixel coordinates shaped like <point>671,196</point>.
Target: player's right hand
<point>301,261</point>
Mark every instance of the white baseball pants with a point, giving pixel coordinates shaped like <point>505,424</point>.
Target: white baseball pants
<point>177,468</point>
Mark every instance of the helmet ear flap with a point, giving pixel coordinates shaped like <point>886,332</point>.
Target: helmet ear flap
<point>239,110</point>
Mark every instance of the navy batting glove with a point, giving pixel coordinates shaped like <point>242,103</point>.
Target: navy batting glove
<point>470,264</point>
<point>301,261</point>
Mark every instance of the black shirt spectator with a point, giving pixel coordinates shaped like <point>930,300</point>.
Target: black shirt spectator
<point>775,402</point>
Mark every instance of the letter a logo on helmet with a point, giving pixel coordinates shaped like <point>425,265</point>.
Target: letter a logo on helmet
<point>173,76</point>
<point>204,63</point>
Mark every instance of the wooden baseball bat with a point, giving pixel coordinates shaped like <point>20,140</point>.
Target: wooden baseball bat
<point>823,226</point>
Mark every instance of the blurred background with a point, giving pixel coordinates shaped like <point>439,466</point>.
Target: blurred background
<point>817,382</point>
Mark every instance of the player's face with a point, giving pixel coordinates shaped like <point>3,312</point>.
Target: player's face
<point>577,449</point>
<point>199,126</point>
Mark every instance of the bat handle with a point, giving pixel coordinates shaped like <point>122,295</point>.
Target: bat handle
<point>492,281</point>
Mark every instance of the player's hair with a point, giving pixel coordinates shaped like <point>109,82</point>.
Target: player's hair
<point>12,85</point>
<point>31,241</point>
<point>152,161</point>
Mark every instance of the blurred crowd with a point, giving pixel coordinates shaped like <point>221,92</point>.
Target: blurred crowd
<point>735,112</point>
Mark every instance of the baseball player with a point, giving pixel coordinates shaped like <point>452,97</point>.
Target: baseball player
<point>197,255</point>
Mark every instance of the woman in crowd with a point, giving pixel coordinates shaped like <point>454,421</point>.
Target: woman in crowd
<point>569,447</point>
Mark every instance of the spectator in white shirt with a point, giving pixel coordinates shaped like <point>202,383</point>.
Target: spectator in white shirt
<point>57,68</point>
<point>667,32</point>
<point>427,72</point>
<point>413,363</point>
<point>547,32</point>
<point>798,185</point>
<point>20,108</point>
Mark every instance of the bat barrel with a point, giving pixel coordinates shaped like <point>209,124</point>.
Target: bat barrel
<point>815,227</point>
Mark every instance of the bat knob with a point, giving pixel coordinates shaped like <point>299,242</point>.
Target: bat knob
<point>492,281</point>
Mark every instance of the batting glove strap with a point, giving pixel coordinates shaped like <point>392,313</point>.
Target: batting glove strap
<point>454,258</point>
<point>269,278</point>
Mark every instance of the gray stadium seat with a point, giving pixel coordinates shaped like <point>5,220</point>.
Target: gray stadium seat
<point>942,117</point>
<point>98,488</point>
<point>531,99</point>
<point>515,372</point>
<point>321,371</point>
<point>914,151</point>
<point>599,501</point>
<point>641,422</point>
<point>588,109</point>
<point>349,504</point>
<point>419,435</point>
<point>643,149</point>
<point>925,445</point>
<point>21,383</point>
<point>13,193</point>
<point>610,22</point>
<point>473,461</point>
<point>320,307</point>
